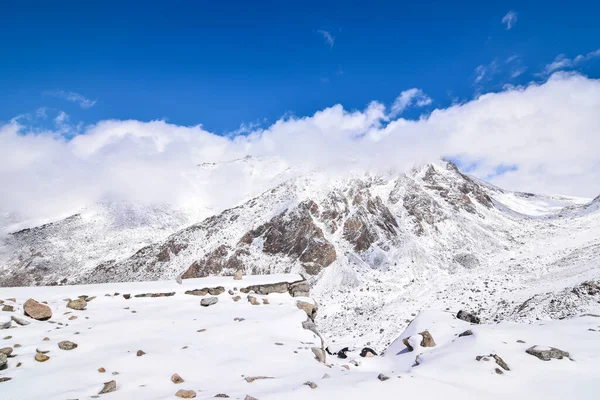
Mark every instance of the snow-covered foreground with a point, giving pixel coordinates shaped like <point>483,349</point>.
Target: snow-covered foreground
<point>213,350</point>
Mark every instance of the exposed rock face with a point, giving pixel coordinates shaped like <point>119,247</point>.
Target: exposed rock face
<point>319,354</point>
<point>38,311</point>
<point>223,258</point>
<point>547,353</point>
<point>468,317</point>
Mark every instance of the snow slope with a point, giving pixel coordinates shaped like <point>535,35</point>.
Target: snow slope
<point>213,352</point>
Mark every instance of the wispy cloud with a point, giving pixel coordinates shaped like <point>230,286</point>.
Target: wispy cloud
<point>510,19</point>
<point>480,72</point>
<point>73,97</point>
<point>563,62</point>
<point>329,39</point>
<point>408,98</point>
<point>517,72</point>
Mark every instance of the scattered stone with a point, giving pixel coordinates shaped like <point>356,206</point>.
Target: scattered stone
<point>72,317</point>
<point>342,353</point>
<point>278,344</point>
<point>115,373</point>
<point>169,294</point>
<point>209,301</point>
<point>7,337</point>
<point>101,370</point>
<point>5,379</point>
<point>3,361</point>
<point>20,320</point>
<point>46,339</point>
<point>310,384</point>
<point>109,386</point>
<point>238,319</point>
<point>19,364</point>
<point>326,376</point>
<point>201,330</point>
<point>500,362</point>
<point>466,333</point>
<point>382,377</point>
<point>37,310</point>
<point>8,308</point>
<point>238,275</point>
<point>216,290</point>
<point>309,308</point>
<point>42,351</point>
<point>252,300</point>
<point>77,304</point>
<point>185,394</point>
<point>127,296</point>
<point>231,292</point>
<point>547,353</point>
<point>41,357</point>
<point>265,301</point>
<point>67,345</point>
<point>248,397</point>
<point>319,354</point>
<point>197,292</point>
<point>7,351</point>
<point>499,371</point>
<point>251,379</point>
<point>368,352</point>
<point>12,299</point>
<point>140,353</point>
<point>222,396</point>
<point>468,317</point>
<point>520,341</point>
<point>175,378</point>
<point>236,298</point>
<point>5,322</point>
<point>17,345</point>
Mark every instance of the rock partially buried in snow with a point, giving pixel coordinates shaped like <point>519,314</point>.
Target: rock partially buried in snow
<point>468,317</point>
<point>426,340</point>
<point>209,301</point>
<point>8,308</point>
<point>466,333</point>
<point>547,353</point>
<point>185,394</point>
<point>41,357</point>
<point>140,353</point>
<point>309,308</point>
<point>20,320</point>
<point>368,352</point>
<point>310,384</point>
<point>77,304</point>
<point>3,361</point>
<point>67,345</point>
<point>175,378</point>
<point>319,354</point>
<point>7,351</point>
<point>251,379</point>
<point>252,300</point>
<point>248,397</point>
<point>37,310</point>
<point>5,322</point>
<point>382,377</point>
<point>109,386</point>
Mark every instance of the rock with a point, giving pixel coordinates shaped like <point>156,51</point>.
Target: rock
<point>222,396</point>
<point>236,298</point>
<point>216,290</point>
<point>5,322</point>
<point>326,376</point>
<point>520,341</point>
<point>310,384</point>
<point>72,317</point>
<point>280,287</point>
<point>248,397</point>
<point>46,339</point>
<point>197,292</point>
<point>466,333</point>
<point>5,379</point>
<point>42,351</point>
<point>175,378</point>
<point>20,320</point>
<point>19,364</point>
<point>67,345</point>
<point>252,300</point>
<point>41,357</point>
<point>309,308</point>
<point>127,296</point>
<point>367,352</point>
<point>299,289</point>
<point>37,310</point>
<point>77,304</point>
<point>346,366</point>
<point>7,351</point>
<point>209,301</point>
<point>230,292</point>
<point>382,377</point>
<point>265,301</point>
<point>319,354</point>
<point>169,294</point>
<point>251,379</point>
<point>101,370</point>
<point>237,276</point>
<point>140,353</point>
<point>109,386</point>
<point>11,299</point>
<point>185,394</point>
<point>468,317</point>
<point>3,361</point>
<point>499,371</point>
<point>426,340</point>
<point>8,308</point>
<point>547,353</point>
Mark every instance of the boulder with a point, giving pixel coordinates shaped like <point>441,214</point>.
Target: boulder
<point>77,304</point>
<point>3,361</point>
<point>216,290</point>
<point>367,352</point>
<point>20,320</point>
<point>310,384</point>
<point>466,333</point>
<point>547,353</point>
<point>140,353</point>
<point>299,289</point>
<point>468,317</point>
<point>7,351</point>
<point>37,311</point>
<point>67,345</point>
<point>382,377</point>
<point>175,378</point>
<point>41,357</point>
<point>319,354</point>
<point>426,340</point>
<point>209,301</point>
<point>236,298</point>
<point>253,300</point>
<point>109,386</point>
<point>8,308</point>
<point>268,288</point>
<point>309,308</point>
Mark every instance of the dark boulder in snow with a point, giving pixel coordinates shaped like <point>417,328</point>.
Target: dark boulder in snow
<point>468,317</point>
<point>368,352</point>
<point>547,353</point>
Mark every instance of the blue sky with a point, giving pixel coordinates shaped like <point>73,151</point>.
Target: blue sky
<point>227,63</point>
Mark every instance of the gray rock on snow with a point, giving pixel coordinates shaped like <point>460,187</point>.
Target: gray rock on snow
<point>209,301</point>
<point>547,353</point>
<point>20,320</point>
<point>468,317</point>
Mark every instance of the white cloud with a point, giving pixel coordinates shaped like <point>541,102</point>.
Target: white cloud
<point>480,73</point>
<point>409,98</point>
<point>550,132</point>
<point>510,19</point>
<point>563,62</point>
<point>72,97</point>
<point>329,39</point>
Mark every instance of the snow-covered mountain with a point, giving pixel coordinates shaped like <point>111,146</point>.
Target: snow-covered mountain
<point>377,248</point>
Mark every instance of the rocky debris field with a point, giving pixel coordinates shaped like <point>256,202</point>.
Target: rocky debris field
<point>105,341</point>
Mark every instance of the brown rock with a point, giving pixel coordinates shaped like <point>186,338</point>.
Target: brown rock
<point>140,353</point>
<point>252,300</point>
<point>37,310</point>
<point>77,304</point>
<point>109,386</point>
<point>251,379</point>
<point>309,308</point>
<point>6,351</point>
<point>67,345</point>
<point>248,397</point>
<point>236,298</point>
<point>265,301</point>
<point>41,357</point>
<point>72,317</point>
<point>238,276</point>
<point>427,339</point>
<point>127,296</point>
<point>101,370</point>
<point>8,308</point>
<point>175,378</point>
<point>12,299</point>
<point>185,394</point>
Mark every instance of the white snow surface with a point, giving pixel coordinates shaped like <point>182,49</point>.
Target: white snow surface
<point>271,342</point>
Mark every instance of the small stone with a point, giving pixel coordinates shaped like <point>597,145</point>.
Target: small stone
<point>265,301</point>
<point>236,298</point>
<point>41,357</point>
<point>8,308</point>
<point>6,351</point>
<point>77,304</point>
<point>42,351</point>
<point>278,344</point>
<point>175,378</point>
<point>520,341</point>
<point>115,373</point>
<point>46,339</point>
<point>5,379</point>
<point>231,292</point>
<point>222,396</point>
<point>67,345</point>
<point>310,384</point>
<point>101,370</point>
<point>326,376</point>
<point>248,397</point>
<point>201,330</point>
<point>185,394</point>
<point>197,292</point>
<point>466,333</point>
<point>252,300</point>
<point>209,301</point>
<point>382,377</point>
<point>499,371</point>
<point>127,296</point>
<point>500,361</point>
<point>17,345</point>
<point>5,322</point>
<point>140,353</point>
<point>237,276</point>
<point>547,353</point>
<point>109,386</point>
<point>3,361</point>
<point>72,317</point>
<point>468,317</point>
<point>346,366</point>
<point>216,290</point>
<point>7,337</point>
<point>251,379</point>
<point>367,352</point>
